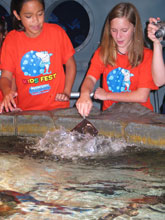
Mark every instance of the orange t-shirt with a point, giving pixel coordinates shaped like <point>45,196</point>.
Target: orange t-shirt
<point>37,64</point>
<point>122,77</point>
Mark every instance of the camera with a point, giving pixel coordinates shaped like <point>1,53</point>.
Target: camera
<point>161,31</point>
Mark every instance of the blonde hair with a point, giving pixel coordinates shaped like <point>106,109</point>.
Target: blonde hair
<point>108,51</point>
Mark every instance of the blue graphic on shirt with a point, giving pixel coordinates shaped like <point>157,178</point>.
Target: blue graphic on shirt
<point>118,80</point>
<point>33,64</point>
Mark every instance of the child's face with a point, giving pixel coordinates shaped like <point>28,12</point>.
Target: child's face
<point>122,32</point>
<point>32,17</point>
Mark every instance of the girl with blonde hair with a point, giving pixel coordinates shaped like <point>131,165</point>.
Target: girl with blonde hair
<point>123,61</point>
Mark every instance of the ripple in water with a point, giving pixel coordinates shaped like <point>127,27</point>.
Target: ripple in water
<point>73,145</point>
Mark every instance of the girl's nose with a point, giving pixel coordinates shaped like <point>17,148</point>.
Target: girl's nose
<point>118,34</point>
<point>35,19</point>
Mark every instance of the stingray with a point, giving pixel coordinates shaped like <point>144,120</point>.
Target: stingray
<point>85,127</point>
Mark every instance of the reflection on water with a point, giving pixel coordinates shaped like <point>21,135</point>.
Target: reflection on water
<point>94,178</point>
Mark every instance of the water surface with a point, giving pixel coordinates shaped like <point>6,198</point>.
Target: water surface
<point>69,176</point>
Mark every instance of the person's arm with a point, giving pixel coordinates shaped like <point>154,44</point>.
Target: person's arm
<point>158,66</point>
<point>139,95</point>
<point>84,103</point>
<point>70,75</point>
<point>70,71</point>
<point>6,86</point>
<point>13,85</point>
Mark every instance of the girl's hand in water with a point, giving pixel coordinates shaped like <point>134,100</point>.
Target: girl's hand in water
<point>8,104</point>
<point>84,105</point>
<point>62,97</point>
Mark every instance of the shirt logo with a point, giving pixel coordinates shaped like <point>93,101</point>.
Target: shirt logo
<point>34,64</point>
<point>118,80</point>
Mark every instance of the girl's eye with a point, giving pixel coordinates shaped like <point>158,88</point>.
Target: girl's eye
<point>125,30</point>
<point>113,30</point>
<point>41,13</point>
<point>28,15</point>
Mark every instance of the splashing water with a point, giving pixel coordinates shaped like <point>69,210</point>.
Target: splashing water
<point>73,145</point>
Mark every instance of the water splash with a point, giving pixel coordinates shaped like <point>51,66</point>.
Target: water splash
<point>73,145</point>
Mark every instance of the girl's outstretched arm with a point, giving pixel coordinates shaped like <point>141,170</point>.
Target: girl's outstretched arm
<point>139,95</point>
<point>84,103</point>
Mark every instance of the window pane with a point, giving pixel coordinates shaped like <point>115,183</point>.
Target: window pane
<point>72,16</point>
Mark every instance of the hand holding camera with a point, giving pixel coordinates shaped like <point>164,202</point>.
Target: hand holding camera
<point>156,30</point>
<point>160,33</point>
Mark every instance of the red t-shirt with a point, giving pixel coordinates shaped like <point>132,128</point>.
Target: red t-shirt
<point>37,64</point>
<point>122,77</point>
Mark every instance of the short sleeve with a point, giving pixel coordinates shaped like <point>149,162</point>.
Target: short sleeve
<point>96,66</point>
<point>66,45</point>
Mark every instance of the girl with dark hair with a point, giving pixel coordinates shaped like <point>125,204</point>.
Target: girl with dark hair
<point>123,61</point>
<point>36,52</point>
<point>16,7</point>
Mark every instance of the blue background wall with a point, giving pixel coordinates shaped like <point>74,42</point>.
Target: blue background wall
<point>97,11</point>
